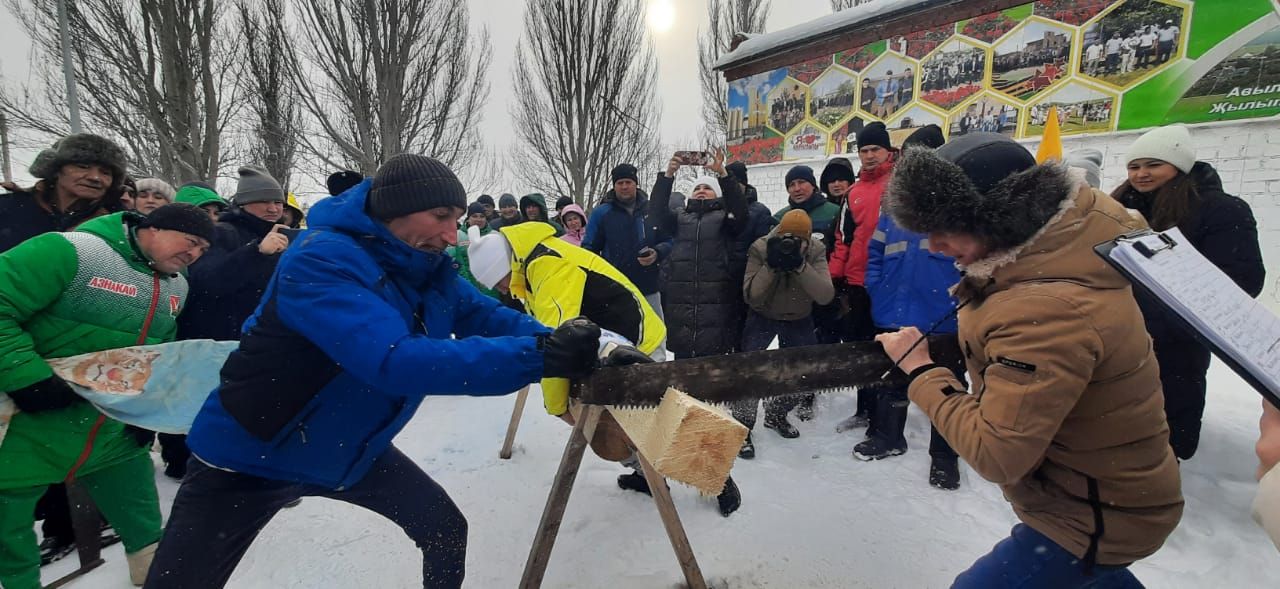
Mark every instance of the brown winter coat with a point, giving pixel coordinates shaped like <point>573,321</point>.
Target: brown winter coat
<point>787,296</point>
<point>1067,411</point>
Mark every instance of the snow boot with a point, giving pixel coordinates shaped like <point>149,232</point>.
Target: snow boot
<point>729,498</point>
<point>852,422</point>
<point>175,470</point>
<point>783,427</point>
<point>890,419</point>
<point>53,549</point>
<point>804,411</point>
<point>140,563</point>
<point>748,450</point>
<point>944,473</point>
<point>634,481</point>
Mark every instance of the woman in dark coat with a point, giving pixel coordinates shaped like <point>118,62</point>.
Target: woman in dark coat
<point>703,293</point>
<point>1171,189</point>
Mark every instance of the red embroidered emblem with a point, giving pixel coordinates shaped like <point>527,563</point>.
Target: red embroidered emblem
<point>175,303</point>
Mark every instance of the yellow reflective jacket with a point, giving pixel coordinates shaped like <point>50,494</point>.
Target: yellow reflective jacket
<point>558,281</point>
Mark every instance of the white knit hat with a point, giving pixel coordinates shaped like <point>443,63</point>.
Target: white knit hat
<point>1168,144</point>
<point>489,256</point>
<point>710,181</point>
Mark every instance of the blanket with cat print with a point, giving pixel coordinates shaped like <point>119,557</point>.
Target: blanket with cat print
<point>158,387</point>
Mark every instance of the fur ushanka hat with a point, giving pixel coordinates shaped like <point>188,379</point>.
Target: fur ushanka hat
<point>983,184</point>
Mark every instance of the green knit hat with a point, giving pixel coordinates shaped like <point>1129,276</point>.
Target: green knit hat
<point>199,194</point>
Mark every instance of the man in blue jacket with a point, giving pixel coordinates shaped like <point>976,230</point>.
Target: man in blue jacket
<point>617,233</point>
<point>370,305</point>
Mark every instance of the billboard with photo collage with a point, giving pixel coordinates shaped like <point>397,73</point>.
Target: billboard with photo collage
<point>1106,65</point>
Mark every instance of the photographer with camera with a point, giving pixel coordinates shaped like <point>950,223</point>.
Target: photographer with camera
<point>786,276</point>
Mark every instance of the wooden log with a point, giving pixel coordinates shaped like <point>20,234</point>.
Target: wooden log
<point>516,413</point>
<point>685,439</point>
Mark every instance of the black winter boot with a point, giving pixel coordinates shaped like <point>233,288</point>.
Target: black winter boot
<point>783,427</point>
<point>944,474</point>
<point>53,549</point>
<point>634,481</point>
<point>729,499</point>
<point>804,411</point>
<point>748,450</point>
<point>888,422</point>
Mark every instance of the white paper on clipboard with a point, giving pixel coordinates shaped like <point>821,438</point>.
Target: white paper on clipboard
<point>1207,299</point>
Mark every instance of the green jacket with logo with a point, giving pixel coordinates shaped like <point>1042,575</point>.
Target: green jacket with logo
<point>64,294</point>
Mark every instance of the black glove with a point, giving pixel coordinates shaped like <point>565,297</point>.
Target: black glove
<point>783,254</point>
<point>143,437</point>
<point>571,350</point>
<point>46,395</point>
<point>626,356</point>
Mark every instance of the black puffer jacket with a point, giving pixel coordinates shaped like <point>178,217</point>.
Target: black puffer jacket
<point>227,282</point>
<point>25,214</point>
<point>1222,228</point>
<point>703,296</point>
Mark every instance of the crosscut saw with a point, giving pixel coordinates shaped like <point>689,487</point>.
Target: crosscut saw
<point>757,375</point>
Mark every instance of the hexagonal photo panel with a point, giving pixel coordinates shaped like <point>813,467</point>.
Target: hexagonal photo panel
<point>952,74</point>
<point>1081,109</point>
<point>989,113</point>
<point>749,107</point>
<point>859,58</point>
<point>913,118</point>
<point>1032,57</point>
<point>1132,41</point>
<point>887,86</point>
<point>1072,12</point>
<point>808,141</point>
<point>786,104</point>
<point>834,96</point>
<point>808,71</point>
<point>991,26</point>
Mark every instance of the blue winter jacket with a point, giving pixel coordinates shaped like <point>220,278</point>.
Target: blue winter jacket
<point>353,331</point>
<point>909,285</point>
<point>617,235</point>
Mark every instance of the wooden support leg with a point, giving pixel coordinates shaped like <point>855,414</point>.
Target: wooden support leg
<point>86,523</point>
<point>540,553</point>
<point>516,413</point>
<point>671,521</point>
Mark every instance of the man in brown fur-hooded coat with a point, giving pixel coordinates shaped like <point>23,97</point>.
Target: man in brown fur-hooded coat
<point>1065,413</point>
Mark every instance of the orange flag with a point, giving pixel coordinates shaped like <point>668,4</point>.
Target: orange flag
<point>1051,142</point>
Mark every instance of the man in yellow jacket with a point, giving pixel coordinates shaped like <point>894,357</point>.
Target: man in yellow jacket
<point>558,281</point>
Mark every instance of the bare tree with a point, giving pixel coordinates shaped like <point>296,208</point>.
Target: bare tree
<point>586,100</point>
<point>838,5</point>
<point>728,18</point>
<point>151,74</point>
<point>274,125</point>
<point>387,77</point>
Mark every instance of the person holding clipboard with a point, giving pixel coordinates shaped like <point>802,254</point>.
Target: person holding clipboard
<point>1171,189</point>
<point>1066,411</point>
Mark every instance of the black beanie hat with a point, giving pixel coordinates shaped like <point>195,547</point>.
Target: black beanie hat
<point>801,173</point>
<point>623,172</point>
<point>485,200</point>
<point>739,171</point>
<point>340,182</point>
<point>563,202</point>
<point>874,134</point>
<point>409,183</point>
<point>182,217</point>
<point>476,208</point>
<point>983,184</point>
<point>929,136</point>
<point>507,200</point>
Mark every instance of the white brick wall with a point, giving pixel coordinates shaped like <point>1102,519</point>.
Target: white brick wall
<point>1246,154</point>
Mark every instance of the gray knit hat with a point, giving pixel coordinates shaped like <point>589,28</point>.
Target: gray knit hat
<point>81,148</point>
<point>257,185</point>
<point>409,183</point>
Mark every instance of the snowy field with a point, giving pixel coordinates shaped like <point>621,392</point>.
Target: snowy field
<point>812,515</point>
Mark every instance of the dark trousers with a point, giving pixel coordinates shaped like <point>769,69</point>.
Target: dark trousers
<point>757,335</point>
<point>54,509</point>
<point>174,452</point>
<point>217,514</point>
<point>888,408</point>
<point>1184,365</point>
<point>1028,559</point>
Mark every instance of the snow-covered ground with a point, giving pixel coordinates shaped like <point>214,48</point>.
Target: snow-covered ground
<point>812,516</point>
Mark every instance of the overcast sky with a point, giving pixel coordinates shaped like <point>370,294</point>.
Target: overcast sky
<point>677,60</point>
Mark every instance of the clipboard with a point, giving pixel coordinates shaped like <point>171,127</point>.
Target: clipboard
<point>1233,325</point>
